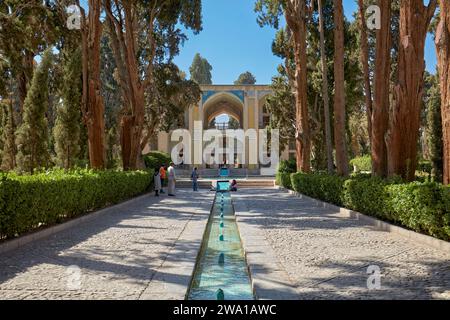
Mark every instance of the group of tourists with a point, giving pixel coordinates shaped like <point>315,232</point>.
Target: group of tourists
<point>160,177</point>
<point>167,174</point>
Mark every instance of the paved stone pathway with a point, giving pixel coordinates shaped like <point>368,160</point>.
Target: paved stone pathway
<point>323,255</point>
<point>143,249</point>
<point>146,249</point>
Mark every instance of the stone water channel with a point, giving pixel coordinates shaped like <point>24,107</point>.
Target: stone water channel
<point>221,272</point>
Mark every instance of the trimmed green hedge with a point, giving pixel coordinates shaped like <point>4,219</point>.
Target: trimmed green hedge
<point>29,202</point>
<point>283,179</point>
<point>422,207</point>
<point>284,171</point>
<point>287,166</point>
<point>320,186</point>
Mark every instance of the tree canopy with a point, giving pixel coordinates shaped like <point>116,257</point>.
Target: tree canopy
<point>245,78</point>
<point>201,70</point>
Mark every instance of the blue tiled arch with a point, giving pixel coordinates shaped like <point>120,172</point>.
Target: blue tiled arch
<point>237,93</point>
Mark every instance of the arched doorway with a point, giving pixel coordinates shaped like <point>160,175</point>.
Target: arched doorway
<point>220,104</point>
<point>224,111</point>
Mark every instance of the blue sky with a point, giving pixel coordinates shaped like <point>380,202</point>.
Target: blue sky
<point>233,42</point>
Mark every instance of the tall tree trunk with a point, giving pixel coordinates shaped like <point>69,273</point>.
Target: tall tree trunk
<point>124,44</point>
<point>132,126</point>
<point>339,95</point>
<point>443,53</point>
<point>326,98</point>
<point>365,65</point>
<point>404,124</point>
<point>295,13</point>
<point>380,114</point>
<point>303,139</point>
<point>92,100</point>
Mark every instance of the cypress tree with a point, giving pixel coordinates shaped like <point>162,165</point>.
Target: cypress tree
<point>9,149</point>
<point>200,70</point>
<point>434,126</point>
<point>2,106</point>
<point>32,136</point>
<point>68,113</point>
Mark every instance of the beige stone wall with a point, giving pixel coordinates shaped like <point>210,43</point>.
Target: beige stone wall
<point>251,108</point>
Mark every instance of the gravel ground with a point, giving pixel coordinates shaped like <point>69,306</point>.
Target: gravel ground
<point>117,253</point>
<point>327,256</point>
<point>129,253</point>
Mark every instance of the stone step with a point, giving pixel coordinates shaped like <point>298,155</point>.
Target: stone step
<point>244,183</point>
<point>214,173</point>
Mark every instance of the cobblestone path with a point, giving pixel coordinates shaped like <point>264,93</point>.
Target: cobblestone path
<point>146,249</point>
<point>326,256</point>
<point>125,253</point>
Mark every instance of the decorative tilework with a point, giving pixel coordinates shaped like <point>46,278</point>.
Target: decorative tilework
<point>208,94</point>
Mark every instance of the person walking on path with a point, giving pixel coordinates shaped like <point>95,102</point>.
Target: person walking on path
<point>157,182</point>
<point>162,173</point>
<point>194,178</point>
<point>172,180</point>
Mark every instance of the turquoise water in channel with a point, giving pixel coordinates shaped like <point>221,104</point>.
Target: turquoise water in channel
<point>223,186</point>
<point>224,172</point>
<point>211,274</point>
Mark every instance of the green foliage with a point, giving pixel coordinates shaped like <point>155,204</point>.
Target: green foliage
<point>112,98</point>
<point>171,96</point>
<point>31,201</point>
<point>68,115</point>
<point>366,195</point>
<point>269,12</point>
<point>432,98</point>
<point>112,149</point>
<point>245,78</point>
<point>281,106</point>
<point>200,70</point>
<point>425,166</point>
<point>27,29</point>
<point>8,139</point>
<point>363,163</point>
<point>32,136</point>
<point>156,159</point>
<point>284,171</point>
<point>233,124</point>
<point>321,186</point>
<point>420,206</point>
<point>110,88</point>
<point>287,166</point>
<point>283,179</point>
<point>2,125</point>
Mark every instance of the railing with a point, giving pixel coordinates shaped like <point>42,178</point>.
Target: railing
<point>222,126</point>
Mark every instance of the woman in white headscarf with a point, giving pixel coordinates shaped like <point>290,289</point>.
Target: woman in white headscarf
<point>157,182</point>
<point>172,180</point>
